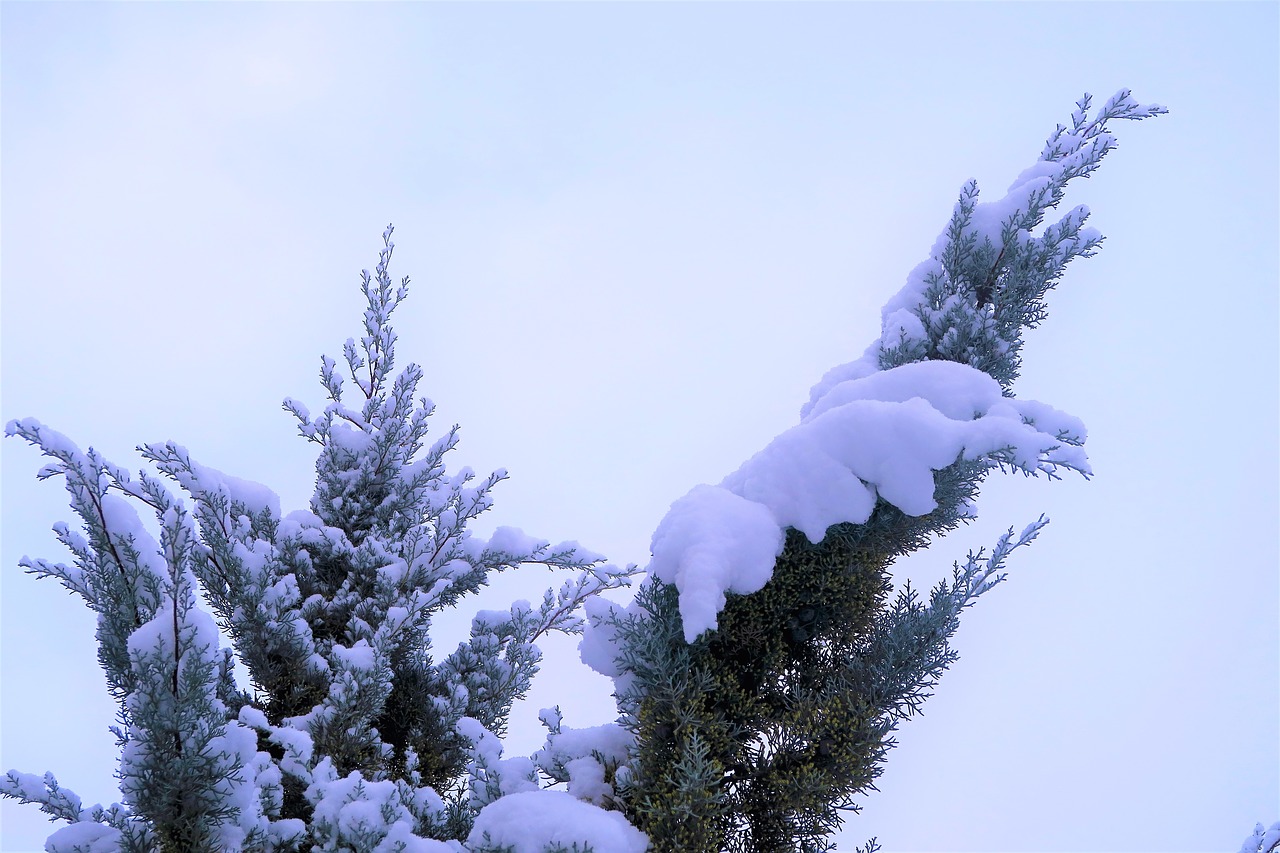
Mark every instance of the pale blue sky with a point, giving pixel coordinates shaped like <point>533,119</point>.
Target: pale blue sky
<point>638,234</point>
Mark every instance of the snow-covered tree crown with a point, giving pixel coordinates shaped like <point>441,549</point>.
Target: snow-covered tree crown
<point>986,278</point>
<point>763,665</point>
<point>759,671</point>
<point>348,734</point>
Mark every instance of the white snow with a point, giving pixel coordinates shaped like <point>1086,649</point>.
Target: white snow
<point>1038,170</point>
<point>863,436</point>
<point>514,541</point>
<point>956,390</point>
<point>586,780</point>
<point>199,632</point>
<point>487,621</point>
<point>797,479</point>
<point>492,775</point>
<point>355,810</point>
<point>29,786</point>
<point>346,437</point>
<point>84,837</point>
<point>286,832</point>
<point>122,520</point>
<point>713,541</point>
<point>254,496</point>
<point>51,440</point>
<point>584,753</point>
<point>532,820</point>
<point>989,218</point>
<point>610,740</point>
<point>485,742</point>
<point>866,365</point>
<point>357,656</point>
<point>257,781</point>
<point>298,749</point>
<point>1262,840</point>
<point>577,553</point>
<point>903,325</point>
<point>598,647</point>
<point>298,522</point>
<point>400,839</point>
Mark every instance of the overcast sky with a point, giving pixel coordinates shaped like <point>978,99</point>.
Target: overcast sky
<point>638,234</point>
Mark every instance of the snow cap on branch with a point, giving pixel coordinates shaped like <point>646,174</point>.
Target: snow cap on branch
<point>879,437</point>
<point>532,821</point>
<point>932,390</point>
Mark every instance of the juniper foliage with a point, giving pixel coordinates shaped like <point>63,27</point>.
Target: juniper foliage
<point>757,737</point>
<point>353,734</point>
<point>329,610</point>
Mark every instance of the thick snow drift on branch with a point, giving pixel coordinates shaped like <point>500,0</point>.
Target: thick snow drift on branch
<point>529,822</point>
<point>713,541</point>
<point>202,478</point>
<point>862,438</point>
<point>584,755</point>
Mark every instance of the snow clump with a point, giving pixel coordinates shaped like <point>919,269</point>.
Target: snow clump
<point>863,437</point>
<point>531,821</point>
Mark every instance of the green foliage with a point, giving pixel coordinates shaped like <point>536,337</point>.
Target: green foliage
<point>987,284</point>
<point>354,734</point>
<point>754,737</point>
<point>329,611</point>
<point>758,735</point>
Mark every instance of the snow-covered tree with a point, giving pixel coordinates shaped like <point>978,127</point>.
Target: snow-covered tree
<point>349,735</point>
<point>760,668</point>
<point>1263,840</point>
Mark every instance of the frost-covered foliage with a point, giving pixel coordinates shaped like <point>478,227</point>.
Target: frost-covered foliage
<point>760,669</point>
<point>765,662</point>
<point>1263,840</point>
<point>349,735</point>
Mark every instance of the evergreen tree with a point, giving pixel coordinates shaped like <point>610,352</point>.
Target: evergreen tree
<point>350,735</point>
<point>760,669</point>
<point>756,736</point>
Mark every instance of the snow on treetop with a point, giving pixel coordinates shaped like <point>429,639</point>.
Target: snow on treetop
<point>598,648</point>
